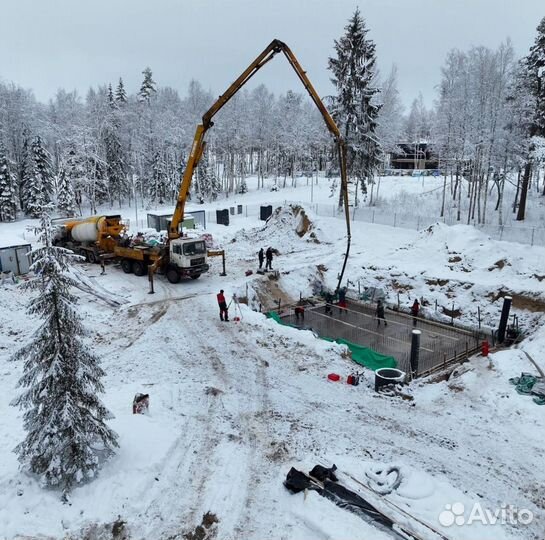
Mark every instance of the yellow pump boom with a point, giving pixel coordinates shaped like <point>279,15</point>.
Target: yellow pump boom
<point>197,149</point>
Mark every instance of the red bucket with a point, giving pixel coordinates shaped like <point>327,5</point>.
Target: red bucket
<point>333,377</point>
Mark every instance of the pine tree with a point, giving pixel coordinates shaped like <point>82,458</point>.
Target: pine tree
<point>148,86</point>
<point>120,94</point>
<point>8,199</point>
<point>158,184</point>
<point>111,100</point>
<point>25,167</point>
<point>353,107</point>
<point>66,435</point>
<point>535,62</point>
<point>534,80</point>
<point>118,185</point>
<point>66,201</point>
<point>207,185</point>
<point>38,179</point>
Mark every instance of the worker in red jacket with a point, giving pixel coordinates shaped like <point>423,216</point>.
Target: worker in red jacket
<point>224,316</point>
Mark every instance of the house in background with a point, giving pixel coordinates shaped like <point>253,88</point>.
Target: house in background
<point>413,156</point>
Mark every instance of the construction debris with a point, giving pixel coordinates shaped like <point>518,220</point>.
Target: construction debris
<point>528,384</point>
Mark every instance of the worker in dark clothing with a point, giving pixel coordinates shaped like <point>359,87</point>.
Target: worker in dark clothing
<point>415,308</point>
<point>269,257</point>
<point>328,302</point>
<point>261,257</point>
<point>224,315</point>
<point>380,313</point>
<point>299,313</point>
<point>342,300</point>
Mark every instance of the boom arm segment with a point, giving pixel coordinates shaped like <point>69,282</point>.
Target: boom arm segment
<point>198,146</point>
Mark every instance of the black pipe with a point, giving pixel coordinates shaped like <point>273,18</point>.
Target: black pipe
<point>415,351</point>
<point>504,318</point>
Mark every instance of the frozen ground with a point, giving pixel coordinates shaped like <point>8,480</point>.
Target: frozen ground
<point>234,406</point>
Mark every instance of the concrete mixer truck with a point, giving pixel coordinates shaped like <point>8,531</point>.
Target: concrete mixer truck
<point>104,238</point>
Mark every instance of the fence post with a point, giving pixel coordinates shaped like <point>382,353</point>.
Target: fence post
<point>479,315</point>
<point>398,300</point>
<point>452,315</point>
<point>373,220</point>
<point>395,218</point>
<point>436,304</point>
<point>415,352</point>
<point>532,241</point>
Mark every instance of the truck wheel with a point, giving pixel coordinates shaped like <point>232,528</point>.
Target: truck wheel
<point>196,276</point>
<point>173,275</point>
<point>126,265</point>
<point>139,268</point>
<point>91,257</point>
<point>83,253</point>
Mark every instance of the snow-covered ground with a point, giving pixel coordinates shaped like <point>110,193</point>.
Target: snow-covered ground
<point>235,405</point>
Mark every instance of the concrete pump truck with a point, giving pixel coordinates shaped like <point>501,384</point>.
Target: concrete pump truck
<point>181,256</point>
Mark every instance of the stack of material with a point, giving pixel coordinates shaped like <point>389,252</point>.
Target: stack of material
<point>528,384</point>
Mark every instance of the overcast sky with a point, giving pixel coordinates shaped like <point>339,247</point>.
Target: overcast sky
<point>73,44</point>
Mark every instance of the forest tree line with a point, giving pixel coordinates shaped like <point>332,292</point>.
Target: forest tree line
<point>112,147</point>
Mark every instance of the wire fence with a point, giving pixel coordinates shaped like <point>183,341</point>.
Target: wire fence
<point>509,233</point>
<point>533,236</point>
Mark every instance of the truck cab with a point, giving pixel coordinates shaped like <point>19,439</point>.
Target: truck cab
<point>187,258</point>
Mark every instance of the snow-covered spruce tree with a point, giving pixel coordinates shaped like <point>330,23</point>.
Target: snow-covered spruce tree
<point>120,94</point>
<point>38,181</point>
<point>8,199</point>
<point>118,186</point>
<point>148,86</point>
<point>532,77</point>
<point>158,179</point>
<point>64,420</point>
<point>207,185</point>
<point>354,108</point>
<point>66,200</point>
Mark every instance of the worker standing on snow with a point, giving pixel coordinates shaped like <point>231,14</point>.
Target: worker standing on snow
<point>380,313</point>
<point>224,315</point>
<point>269,256</point>
<point>414,310</point>
<point>261,257</point>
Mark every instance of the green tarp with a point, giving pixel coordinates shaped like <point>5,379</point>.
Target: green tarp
<point>360,354</point>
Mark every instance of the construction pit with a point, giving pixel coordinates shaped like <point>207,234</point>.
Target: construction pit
<point>440,344</point>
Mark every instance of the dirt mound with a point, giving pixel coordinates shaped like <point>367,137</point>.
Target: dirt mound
<point>286,225</point>
<point>293,217</point>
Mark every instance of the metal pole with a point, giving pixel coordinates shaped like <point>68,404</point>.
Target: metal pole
<point>504,318</point>
<point>150,278</point>
<point>479,315</point>
<point>415,351</point>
